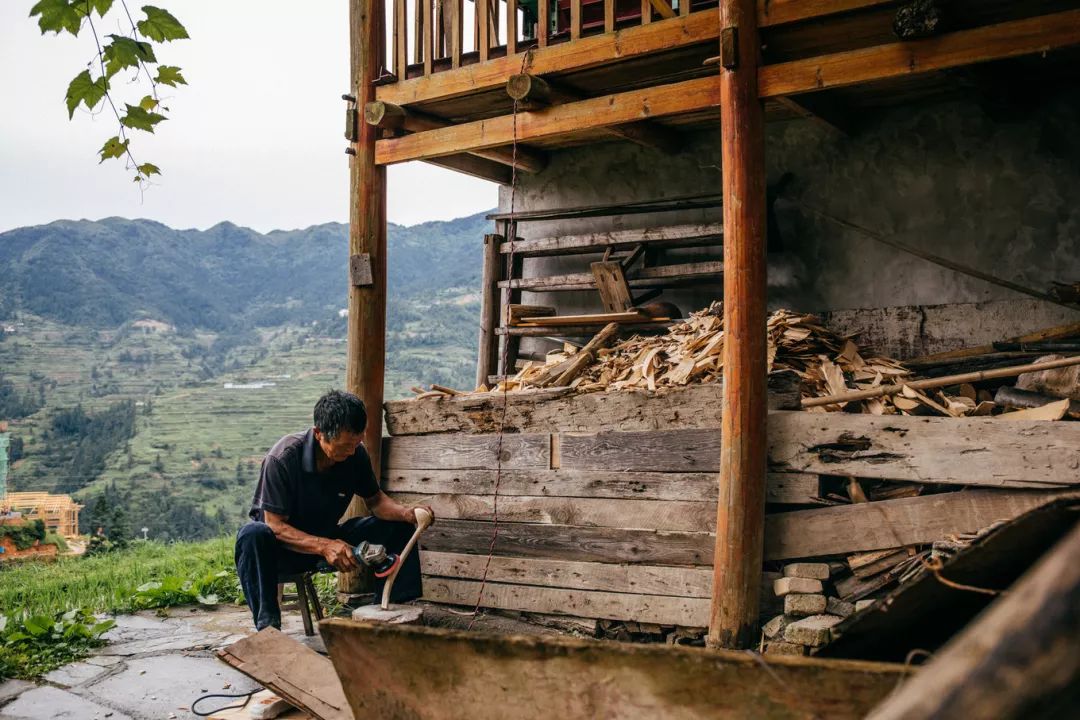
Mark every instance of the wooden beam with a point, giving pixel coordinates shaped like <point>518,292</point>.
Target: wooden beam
<point>475,166</point>
<point>437,673</point>
<point>659,276</point>
<point>780,12</point>
<point>1018,659</point>
<point>824,114</point>
<point>366,351</point>
<point>535,92</point>
<point>670,235</point>
<point>491,272</point>
<point>389,116</point>
<point>740,528</point>
<point>801,76</point>
<point>1042,33</point>
<point>577,331</point>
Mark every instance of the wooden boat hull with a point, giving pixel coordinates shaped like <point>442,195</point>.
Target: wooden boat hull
<point>434,673</point>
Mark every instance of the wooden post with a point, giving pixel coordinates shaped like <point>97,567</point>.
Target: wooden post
<point>365,364</point>
<point>492,271</point>
<point>741,505</point>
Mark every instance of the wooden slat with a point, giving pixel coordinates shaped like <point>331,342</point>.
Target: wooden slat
<point>428,44</point>
<point>401,39</point>
<point>455,15</point>
<point>511,27</point>
<point>692,582</point>
<point>483,27</point>
<point>684,7</point>
<point>994,42</point>
<point>576,331</point>
<point>660,609</point>
<point>609,16</point>
<point>543,8</point>
<point>784,488</point>
<point>554,410</point>
<point>418,31</point>
<point>693,516</point>
<point>704,234</point>
<point>575,19</point>
<point>642,278</point>
<point>519,451</point>
<point>646,12</point>
<point>566,542</point>
<point>425,672</point>
<point>964,451</point>
<point>890,523</point>
<point>610,281</point>
<point>695,450</point>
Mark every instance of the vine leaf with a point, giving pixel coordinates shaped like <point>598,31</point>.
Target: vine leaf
<point>160,25</point>
<point>114,147</point>
<point>148,103</point>
<point>140,119</point>
<point>57,16</point>
<point>102,6</point>
<point>148,169</point>
<point>84,89</point>
<point>124,52</point>
<point>169,75</point>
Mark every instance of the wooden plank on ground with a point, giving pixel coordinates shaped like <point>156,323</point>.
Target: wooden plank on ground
<point>660,609</point>
<point>440,674</point>
<point>689,406</point>
<point>677,235</point>
<point>862,527</point>
<point>785,488</point>
<point>519,451</point>
<point>564,542</point>
<point>292,670</point>
<point>964,451</point>
<point>690,516</point>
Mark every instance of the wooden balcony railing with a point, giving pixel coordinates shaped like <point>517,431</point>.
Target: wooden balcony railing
<point>430,36</point>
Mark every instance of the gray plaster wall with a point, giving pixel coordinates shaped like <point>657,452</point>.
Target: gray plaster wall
<point>999,195</point>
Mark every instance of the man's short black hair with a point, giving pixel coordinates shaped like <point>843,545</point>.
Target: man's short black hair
<point>338,411</point>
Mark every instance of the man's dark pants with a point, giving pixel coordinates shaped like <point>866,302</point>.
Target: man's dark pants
<point>261,560</point>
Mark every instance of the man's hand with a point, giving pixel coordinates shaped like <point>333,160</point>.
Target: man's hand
<point>410,513</point>
<point>340,555</point>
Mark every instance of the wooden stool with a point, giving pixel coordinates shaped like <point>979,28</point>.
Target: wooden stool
<point>306,597</point>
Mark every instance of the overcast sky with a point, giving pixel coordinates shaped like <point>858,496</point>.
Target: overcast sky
<point>255,138</point>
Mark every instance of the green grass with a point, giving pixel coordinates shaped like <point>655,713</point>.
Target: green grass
<point>105,583</point>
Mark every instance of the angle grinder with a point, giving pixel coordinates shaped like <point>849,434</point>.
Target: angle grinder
<point>374,556</point>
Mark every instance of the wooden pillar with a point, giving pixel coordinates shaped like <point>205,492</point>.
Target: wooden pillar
<point>365,364</point>
<point>741,505</point>
<point>492,272</point>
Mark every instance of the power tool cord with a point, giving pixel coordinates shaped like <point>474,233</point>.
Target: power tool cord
<point>246,696</point>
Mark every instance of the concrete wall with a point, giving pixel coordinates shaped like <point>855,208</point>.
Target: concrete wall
<point>1002,196</point>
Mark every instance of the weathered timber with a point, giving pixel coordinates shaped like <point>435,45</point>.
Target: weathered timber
<point>670,236</point>
<point>576,331</point>
<point>1019,659</point>
<point>476,166</point>
<point>663,450</point>
<point>884,524</point>
<point>1011,397</point>
<point>585,512</point>
<point>963,451</point>
<point>668,408</point>
<point>610,279</point>
<point>782,488</point>
<point>660,609</point>
<point>292,670</point>
<point>492,270</point>
<point>660,276</point>
<point>563,542</point>
<point>398,672</point>
<point>519,451</point>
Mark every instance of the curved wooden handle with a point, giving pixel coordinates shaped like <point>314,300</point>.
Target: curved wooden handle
<point>423,520</point>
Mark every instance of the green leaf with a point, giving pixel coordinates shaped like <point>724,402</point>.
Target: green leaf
<point>148,103</point>
<point>124,52</point>
<point>113,148</point>
<point>58,15</point>
<point>102,627</point>
<point>140,119</point>
<point>169,75</point>
<point>102,6</point>
<point>148,169</point>
<point>38,625</point>
<point>86,90</point>
<point>160,25</point>
<point>147,587</point>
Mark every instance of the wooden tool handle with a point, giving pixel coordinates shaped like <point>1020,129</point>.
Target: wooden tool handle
<point>423,520</point>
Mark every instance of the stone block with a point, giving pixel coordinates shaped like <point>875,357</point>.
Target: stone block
<point>779,647</point>
<point>787,585</point>
<point>863,604</point>
<point>836,606</point>
<point>775,627</point>
<point>814,631</point>
<point>814,571</point>
<point>804,604</point>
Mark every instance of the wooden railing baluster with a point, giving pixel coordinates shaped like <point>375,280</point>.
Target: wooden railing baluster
<point>455,32</point>
<point>575,19</point>
<point>511,27</point>
<point>401,40</point>
<point>543,22</point>
<point>427,45</point>
<point>483,28</point>
<point>609,15</point>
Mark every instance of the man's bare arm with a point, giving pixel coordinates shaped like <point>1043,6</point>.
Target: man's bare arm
<point>385,507</point>
<point>336,552</point>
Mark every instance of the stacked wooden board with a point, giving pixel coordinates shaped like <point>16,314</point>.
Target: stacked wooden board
<point>607,511</point>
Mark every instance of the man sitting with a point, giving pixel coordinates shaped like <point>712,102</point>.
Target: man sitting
<point>305,485</point>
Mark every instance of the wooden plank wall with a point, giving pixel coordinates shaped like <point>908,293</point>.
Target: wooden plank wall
<point>617,524</point>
